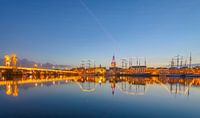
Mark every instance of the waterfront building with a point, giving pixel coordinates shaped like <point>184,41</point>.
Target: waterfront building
<point>113,63</point>
<point>113,70</point>
<point>138,69</point>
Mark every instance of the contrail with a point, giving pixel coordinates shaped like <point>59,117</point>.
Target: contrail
<point>108,34</point>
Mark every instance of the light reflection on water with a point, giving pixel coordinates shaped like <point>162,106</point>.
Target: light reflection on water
<point>99,97</point>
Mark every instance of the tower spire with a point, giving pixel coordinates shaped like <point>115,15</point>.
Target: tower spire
<point>113,63</point>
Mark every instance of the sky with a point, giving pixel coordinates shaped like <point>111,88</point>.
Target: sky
<point>68,31</point>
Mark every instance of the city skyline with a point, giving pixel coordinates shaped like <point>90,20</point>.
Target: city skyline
<point>99,58</point>
<point>66,32</point>
<point>178,61</point>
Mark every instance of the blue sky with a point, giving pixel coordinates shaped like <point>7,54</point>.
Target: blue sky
<point>67,31</point>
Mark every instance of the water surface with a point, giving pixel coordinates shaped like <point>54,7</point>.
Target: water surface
<point>99,97</point>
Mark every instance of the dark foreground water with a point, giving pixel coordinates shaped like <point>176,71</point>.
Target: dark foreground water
<point>102,97</point>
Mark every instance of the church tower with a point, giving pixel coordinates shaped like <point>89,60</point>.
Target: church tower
<point>113,63</point>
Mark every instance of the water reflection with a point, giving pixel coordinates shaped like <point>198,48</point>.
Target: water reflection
<point>126,85</point>
<point>139,86</point>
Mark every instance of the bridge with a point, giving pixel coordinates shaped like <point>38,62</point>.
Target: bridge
<point>9,70</point>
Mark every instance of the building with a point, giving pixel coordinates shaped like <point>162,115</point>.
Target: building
<point>138,69</point>
<point>113,70</point>
<point>113,63</point>
<point>96,71</point>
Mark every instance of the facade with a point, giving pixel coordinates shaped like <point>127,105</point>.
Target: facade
<point>91,71</point>
<point>96,71</point>
<point>138,69</point>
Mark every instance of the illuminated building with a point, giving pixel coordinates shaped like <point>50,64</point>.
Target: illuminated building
<point>113,63</point>
<point>100,70</point>
<point>138,69</point>
<point>96,71</point>
<point>113,70</point>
